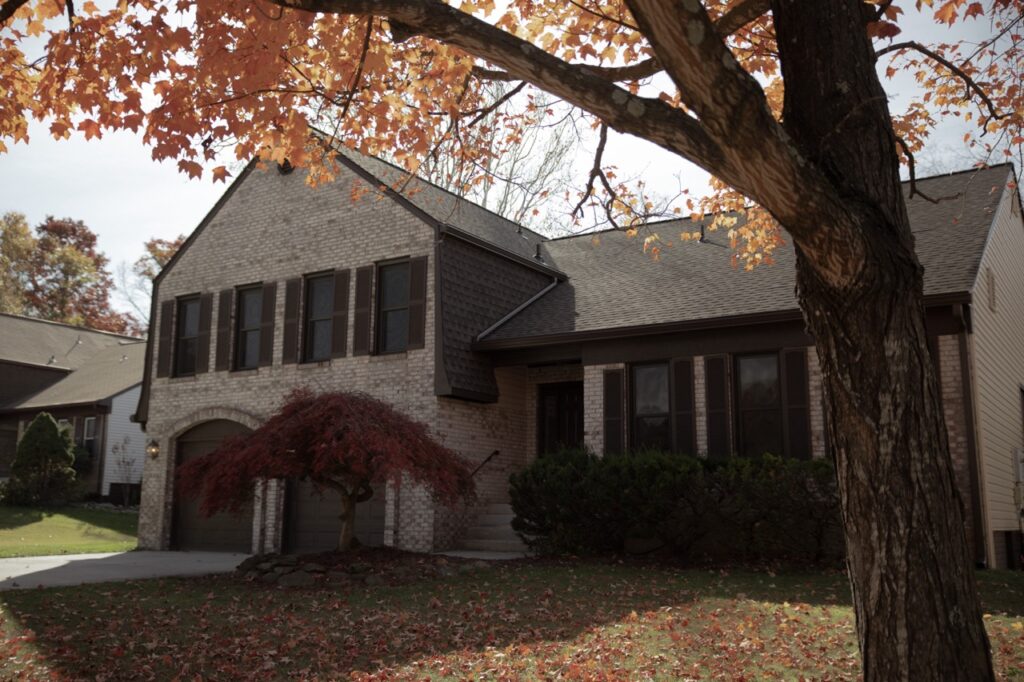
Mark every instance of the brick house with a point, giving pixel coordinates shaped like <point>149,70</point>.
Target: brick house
<point>507,343</point>
<point>90,382</point>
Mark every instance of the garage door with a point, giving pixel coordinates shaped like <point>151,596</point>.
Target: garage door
<point>220,532</point>
<point>312,523</point>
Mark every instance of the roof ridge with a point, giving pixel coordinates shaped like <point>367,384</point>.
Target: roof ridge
<point>435,186</point>
<point>80,328</point>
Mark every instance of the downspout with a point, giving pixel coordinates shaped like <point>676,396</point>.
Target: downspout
<point>963,315</point>
<point>518,309</point>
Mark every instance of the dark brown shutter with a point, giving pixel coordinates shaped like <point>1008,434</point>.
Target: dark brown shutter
<point>716,382</point>
<point>339,323</point>
<point>267,324</point>
<point>361,338</point>
<point>614,404</point>
<point>796,403</point>
<point>224,304</point>
<point>290,342</point>
<point>684,431</point>
<point>166,339</point>
<point>417,302</point>
<point>203,340</point>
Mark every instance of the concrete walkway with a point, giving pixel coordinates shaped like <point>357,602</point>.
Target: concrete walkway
<point>75,569</point>
<point>482,555</point>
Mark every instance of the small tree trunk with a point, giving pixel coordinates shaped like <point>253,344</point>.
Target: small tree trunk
<point>348,521</point>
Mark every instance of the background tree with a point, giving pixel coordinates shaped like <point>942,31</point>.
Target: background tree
<point>135,283</point>
<point>345,443</point>
<point>16,245</point>
<point>67,278</point>
<point>780,100</point>
<point>42,471</point>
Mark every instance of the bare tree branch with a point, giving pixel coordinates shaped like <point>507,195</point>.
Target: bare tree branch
<point>969,82</point>
<point>740,15</point>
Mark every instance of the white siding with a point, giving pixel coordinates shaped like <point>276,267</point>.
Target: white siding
<point>124,450</point>
<point>998,359</point>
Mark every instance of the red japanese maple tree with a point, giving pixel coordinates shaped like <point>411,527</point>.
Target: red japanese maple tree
<point>346,442</point>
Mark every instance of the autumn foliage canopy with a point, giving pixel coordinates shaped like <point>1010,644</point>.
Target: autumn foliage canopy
<point>347,442</point>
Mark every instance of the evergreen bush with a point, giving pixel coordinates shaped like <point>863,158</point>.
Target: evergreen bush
<point>42,472</point>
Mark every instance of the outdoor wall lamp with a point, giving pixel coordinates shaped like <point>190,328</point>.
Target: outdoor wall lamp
<point>153,449</point>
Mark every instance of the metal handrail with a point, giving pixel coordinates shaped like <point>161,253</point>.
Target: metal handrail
<point>481,464</point>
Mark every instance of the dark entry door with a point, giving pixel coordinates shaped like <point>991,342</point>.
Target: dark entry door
<point>220,532</point>
<point>560,416</point>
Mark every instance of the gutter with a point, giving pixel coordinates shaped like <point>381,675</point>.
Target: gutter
<point>518,309</point>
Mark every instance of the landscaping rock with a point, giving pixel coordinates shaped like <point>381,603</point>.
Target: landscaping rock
<point>284,569</point>
<point>265,566</point>
<point>270,578</point>
<point>339,577</point>
<point>297,578</point>
<point>287,560</point>
<point>314,568</point>
<point>357,568</point>
<point>251,563</point>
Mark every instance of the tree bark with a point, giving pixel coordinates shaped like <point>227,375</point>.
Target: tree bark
<point>348,521</point>
<point>918,615</point>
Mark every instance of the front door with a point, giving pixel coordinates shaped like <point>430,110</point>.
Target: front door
<point>560,416</point>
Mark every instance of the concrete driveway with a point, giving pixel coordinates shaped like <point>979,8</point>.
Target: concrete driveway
<point>75,569</point>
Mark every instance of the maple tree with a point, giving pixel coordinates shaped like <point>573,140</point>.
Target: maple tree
<point>16,243</point>
<point>346,443</point>
<point>780,100</point>
<point>67,278</point>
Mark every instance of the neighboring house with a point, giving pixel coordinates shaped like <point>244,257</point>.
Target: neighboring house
<point>506,343</point>
<point>88,380</point>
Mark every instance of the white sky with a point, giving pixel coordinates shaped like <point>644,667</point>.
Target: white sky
<point>126,198</point>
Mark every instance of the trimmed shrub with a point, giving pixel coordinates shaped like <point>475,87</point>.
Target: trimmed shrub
<point>754,510</point>
<point>42,471</point>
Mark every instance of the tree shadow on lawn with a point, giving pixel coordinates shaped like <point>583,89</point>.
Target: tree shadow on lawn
<point>16,517</point>
<point>223,628</point>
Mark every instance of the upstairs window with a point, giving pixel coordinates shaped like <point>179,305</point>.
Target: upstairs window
<point>393,308</point>
<point>247,348</point>
<point>186,337</point>
<point>652,423</point>
<point>318,318</point>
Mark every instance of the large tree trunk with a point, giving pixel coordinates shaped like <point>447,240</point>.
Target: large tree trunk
<point>918,615</point>
<point>346,535</point>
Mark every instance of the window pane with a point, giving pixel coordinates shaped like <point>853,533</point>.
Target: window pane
<point>650,389</point>
<point>250,305</point>
<point>250,350</point>
<point>90,427</point>
<point>188,318</point>
<point>761,432</point>
<point>395,331</point>
<point>319,341</point>
<point>321,297</point>
<point>759,380</point>
<point>186,356</point>
<point>652,433</point>
<point>394,286</point>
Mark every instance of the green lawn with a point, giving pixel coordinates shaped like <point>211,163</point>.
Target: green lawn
<point>527,620</point>
<point>64,530</point>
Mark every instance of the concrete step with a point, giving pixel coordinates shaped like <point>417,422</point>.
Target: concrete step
<point>492,533</point>
<point>490,520</point>
<point>493,545</point>
<point>495,508</point>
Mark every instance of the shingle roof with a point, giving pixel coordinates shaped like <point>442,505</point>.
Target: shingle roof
<point>613,284</point>
<point>447,208</point>
<point>108,372</point>
<point>30,341</point>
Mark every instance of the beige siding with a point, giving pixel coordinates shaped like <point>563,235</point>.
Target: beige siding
<point>998,362</point>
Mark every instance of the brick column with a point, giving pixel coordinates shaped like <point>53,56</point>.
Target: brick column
<point>593,406</point>
<point>700,405</point>
<point>953,411</point>
<point>816,396</point>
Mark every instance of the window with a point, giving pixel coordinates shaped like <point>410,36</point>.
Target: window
<point>759,405</point>
<point>187,337</point>
<point>652,425</point>
<point>393,308</point>
<point>318,318</point>
<point>89,435</point>
<point>250,307</point>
